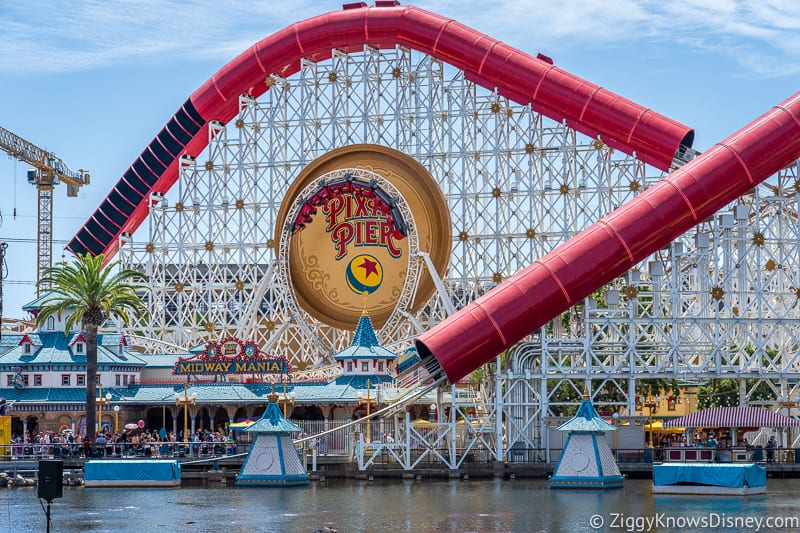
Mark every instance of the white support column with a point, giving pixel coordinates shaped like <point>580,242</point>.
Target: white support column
<point>632,395</point>
<point>447,302</point>
<point>452,419</point>
<point>499,451</point>
<point>407,433</point>
<point>545,407</point>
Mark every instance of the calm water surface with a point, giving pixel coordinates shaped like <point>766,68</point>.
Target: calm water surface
<point>381,506</point>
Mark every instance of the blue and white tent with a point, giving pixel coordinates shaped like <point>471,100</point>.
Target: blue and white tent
<point>273,460</point>
<point>587,461</point>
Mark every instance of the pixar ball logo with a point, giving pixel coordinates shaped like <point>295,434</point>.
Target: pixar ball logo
<point>364,274</point>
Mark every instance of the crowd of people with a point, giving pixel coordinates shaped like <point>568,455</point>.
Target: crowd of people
<point>699,440</point>
<point>709,440</point>
<point>147,443</point>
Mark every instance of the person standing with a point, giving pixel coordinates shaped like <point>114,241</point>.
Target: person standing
<point>771,445</point>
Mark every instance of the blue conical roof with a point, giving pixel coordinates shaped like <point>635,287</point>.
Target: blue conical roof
<point>365,332</point>
<point>586,419</point>
<point>365,343</point>
<point>273,421</point>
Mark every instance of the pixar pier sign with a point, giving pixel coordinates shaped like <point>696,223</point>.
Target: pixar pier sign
<point>231,356</point>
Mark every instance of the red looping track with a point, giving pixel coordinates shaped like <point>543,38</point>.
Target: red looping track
<point>616,243</point>
<point>561,278</point>
<point>521,77</point>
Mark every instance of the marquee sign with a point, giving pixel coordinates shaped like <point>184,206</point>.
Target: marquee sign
<point>232,356</point>
<point>348,246</point>
<point>356,214</point>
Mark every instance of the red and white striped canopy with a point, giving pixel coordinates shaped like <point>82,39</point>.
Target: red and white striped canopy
<point>735,417</point>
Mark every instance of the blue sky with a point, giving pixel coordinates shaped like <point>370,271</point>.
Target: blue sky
<point>94,81</point>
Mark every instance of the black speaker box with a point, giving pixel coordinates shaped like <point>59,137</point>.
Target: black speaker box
<point>51,479</point>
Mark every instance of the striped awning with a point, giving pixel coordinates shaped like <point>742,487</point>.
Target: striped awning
<point>736,417</point>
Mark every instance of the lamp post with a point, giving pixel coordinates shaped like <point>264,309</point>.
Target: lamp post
<point>116,419</point>
<point>286,399</point>
<point>788,403</point>
<point>101,401</point>
<point>185,401</point>
<point>368,401</point>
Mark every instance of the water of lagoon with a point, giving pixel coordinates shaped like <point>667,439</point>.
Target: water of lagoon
<point>394,505</point>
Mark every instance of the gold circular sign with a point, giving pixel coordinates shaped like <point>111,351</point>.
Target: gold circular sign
<point>348,251</point>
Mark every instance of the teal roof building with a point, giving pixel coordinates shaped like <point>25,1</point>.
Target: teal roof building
<point>586,461</point>
<point>272,460</point>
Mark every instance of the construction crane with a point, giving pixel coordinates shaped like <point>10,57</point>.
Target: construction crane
<point>48,171</point>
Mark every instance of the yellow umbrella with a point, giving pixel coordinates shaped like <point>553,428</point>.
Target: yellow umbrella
<point>244,424</point>
<point>658,425</point>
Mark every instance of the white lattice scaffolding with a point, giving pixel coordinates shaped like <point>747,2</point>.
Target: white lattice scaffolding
<point>720,301</point>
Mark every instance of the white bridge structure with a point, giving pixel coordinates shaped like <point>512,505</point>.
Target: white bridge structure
<point>723,301</point>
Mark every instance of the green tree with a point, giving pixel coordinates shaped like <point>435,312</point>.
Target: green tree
<point>88,293</point>
<point>564,392</point>
<point>723,392</point>
<point>658,387</point>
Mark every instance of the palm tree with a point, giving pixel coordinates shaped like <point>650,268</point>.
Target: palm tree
<point>88,293</point>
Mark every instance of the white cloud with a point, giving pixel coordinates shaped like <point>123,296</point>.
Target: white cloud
<point>52,36</point>
<point>760,36</point>
<point>70,36</point>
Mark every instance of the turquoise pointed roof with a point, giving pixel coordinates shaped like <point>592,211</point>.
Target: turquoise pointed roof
<point>586,420</point>
<point>273,420</point>
<point>36,304</point>
<point>365,343</point>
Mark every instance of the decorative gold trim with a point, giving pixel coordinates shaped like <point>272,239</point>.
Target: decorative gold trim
<point>239,123</point>
<point>496,192</point>
<point>318,280</point>
<point>239,204</point>
<point>497,277</point>
<point>495,108</point>
<point>564,189</point>
<point>759,239</point>
<point>209,165</point>
<point>239,285</point>
<point>769,266</point>
<point>333,77</point>
<point>209,245</point>
<point>717,292</point>
<point>630,292</point>
<point>150,248</point>
<point>530,233</point>
<point>179,287</point>
<point>634,186</point>
<point>463,236</point>
<point>179,206</point>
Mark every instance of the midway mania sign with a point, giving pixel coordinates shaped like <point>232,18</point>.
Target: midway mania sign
<point>231,356</point>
